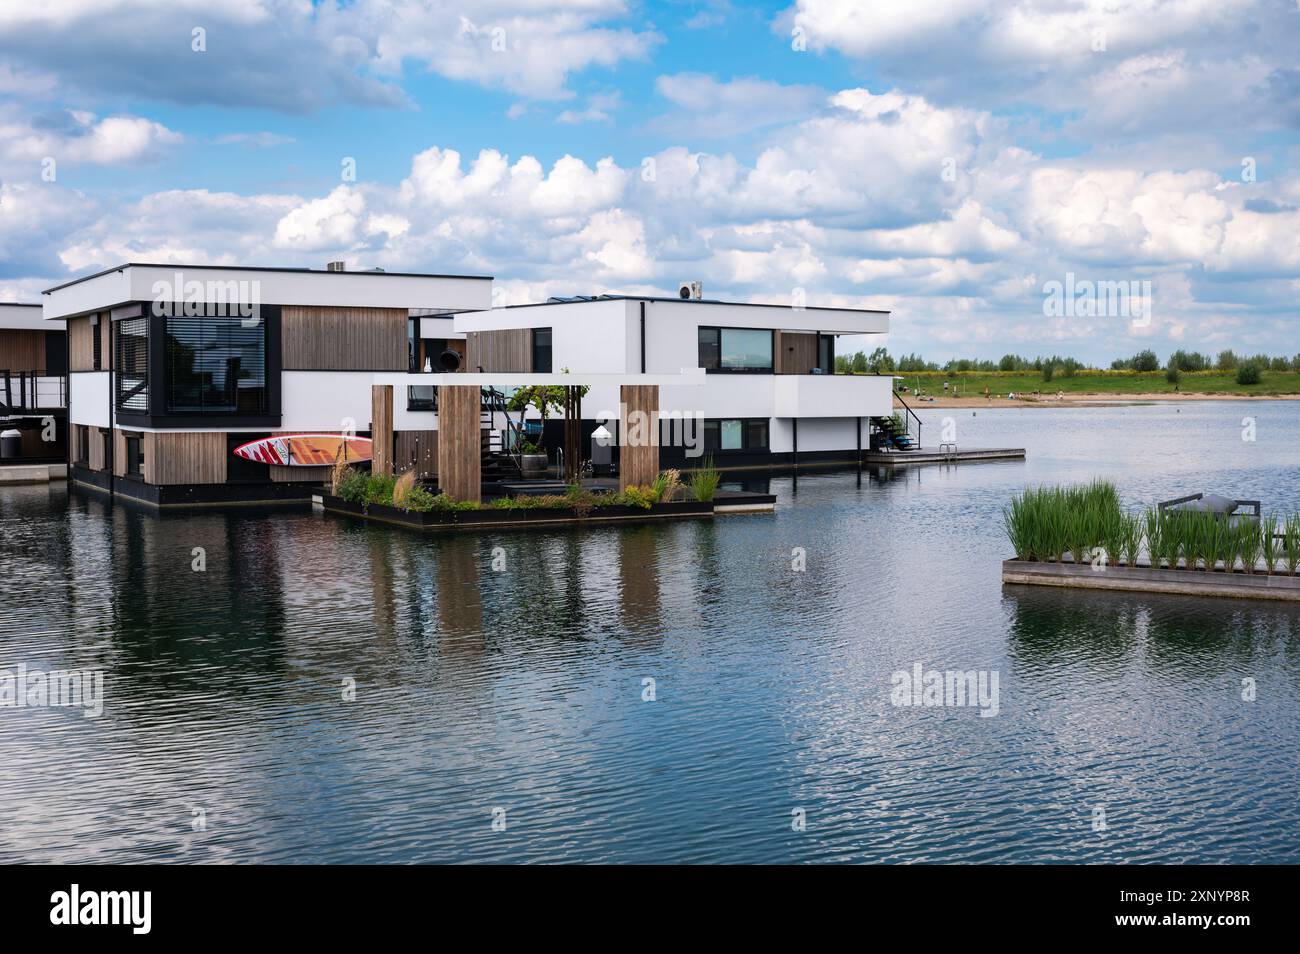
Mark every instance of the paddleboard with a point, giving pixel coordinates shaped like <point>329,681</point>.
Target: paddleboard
<point>306,450</point>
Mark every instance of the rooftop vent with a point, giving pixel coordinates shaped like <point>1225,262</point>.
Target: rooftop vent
<point>336,267</point>
<point>690,291</point>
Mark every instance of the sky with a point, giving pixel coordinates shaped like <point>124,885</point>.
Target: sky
<point>951,161</point>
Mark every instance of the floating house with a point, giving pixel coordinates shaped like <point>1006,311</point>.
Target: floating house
<point>171,368</point>
<point>33,394</point>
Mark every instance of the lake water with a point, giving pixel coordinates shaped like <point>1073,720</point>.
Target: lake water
<point>518,695</point>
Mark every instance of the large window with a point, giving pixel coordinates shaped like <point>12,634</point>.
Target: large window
<point>132,364</point>
<point>738,435</point>
<point>541,350</point>
<point>216,366</point>
<point>736,349</point>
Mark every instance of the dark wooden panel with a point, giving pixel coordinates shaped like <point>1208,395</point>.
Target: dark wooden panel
<point>510,350</point>
<point>416,450</point>
<point>381,428</point>
<point>22,350</point>
<point>639,452</point>
<point>459,449</point>
<point>796,352</point>
<point>320,338</point>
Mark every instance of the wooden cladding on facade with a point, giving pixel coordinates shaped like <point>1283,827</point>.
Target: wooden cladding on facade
<point>639,431</point>
<point>460,464</point>
<point>184,458</point>
<point>22,350</point>
<point>796,352</point>
<point>81,344</point>
<point>381,428</point>
<point>510,350</point>
<point>325,338</point>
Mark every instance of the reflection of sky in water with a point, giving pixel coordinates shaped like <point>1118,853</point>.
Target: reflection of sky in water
<point>522,689</point>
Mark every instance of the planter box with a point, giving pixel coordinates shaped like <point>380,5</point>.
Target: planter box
<point>1144,579</point>
<point>490,519</point>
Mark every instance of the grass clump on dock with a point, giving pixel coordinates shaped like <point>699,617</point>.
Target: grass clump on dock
<point>1045,523</point>
<point>703,483</point>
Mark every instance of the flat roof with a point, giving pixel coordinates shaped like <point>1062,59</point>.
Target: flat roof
<point>579,299</point>
<point>257,268</point>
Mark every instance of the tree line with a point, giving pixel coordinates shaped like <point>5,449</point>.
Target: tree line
<point>1248,369</point>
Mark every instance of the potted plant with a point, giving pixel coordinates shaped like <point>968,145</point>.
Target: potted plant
<point>545,398</point>
<point>532,459</point>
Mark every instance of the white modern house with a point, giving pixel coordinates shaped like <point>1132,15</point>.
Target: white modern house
<point>169,368</point>
<point>771,392</point>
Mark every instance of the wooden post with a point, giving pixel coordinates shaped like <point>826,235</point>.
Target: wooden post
<point>381,428</point>
<point>639,432</point>
<point>572,435</point>
<point>460,461</point>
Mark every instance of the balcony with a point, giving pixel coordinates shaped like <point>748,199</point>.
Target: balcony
<point>832,395</point>
<point>32,392</point>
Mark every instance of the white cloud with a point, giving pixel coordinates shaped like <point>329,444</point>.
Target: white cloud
<point>858,204</point>
<point>295,56</point>
<point>707,108</point>
<point>81,137</point>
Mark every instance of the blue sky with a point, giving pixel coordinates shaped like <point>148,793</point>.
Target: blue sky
<point>946,160</point>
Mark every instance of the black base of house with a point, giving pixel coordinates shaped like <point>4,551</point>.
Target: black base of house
<point>515,519</point>
<point>194,495</point>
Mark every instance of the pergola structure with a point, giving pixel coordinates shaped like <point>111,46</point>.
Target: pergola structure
<point>460,423</point>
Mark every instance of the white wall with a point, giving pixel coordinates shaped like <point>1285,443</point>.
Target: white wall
<point>276,287</point>
<point>324,400</point>
<point>27,318</point>
<point>89,397</point>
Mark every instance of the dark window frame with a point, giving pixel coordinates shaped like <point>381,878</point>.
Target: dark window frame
<point>718,367</point>
<point>747,446</point>
<point>535,346</point>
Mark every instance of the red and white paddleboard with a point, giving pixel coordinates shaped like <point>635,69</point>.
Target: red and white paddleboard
<point>306,450</point>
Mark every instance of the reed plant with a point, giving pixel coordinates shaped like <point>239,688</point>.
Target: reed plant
<point>1131,539</point>
<point>1250,544</point>
<point>1045,523</point>
<point>1291,543</point>
<point>1272,544</point>
<point>704,481</point>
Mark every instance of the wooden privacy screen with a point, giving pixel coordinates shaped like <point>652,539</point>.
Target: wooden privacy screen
<point>460,464</point>
<point>416,450</point>
<point>381,428</point>
<point>509,350</point>
<point>639,423</point>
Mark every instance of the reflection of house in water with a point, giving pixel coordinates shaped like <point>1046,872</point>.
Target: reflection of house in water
<point>459,596</point>
<point>638,580</point>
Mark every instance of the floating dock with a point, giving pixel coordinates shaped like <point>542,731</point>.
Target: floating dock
<point>32,473</point>
<point>1145,579</point>
<point>936,455</point>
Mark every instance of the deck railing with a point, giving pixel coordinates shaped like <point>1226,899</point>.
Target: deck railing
<point>27,392</point>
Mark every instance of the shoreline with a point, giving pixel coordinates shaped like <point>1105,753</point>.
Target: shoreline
<point>1102,399</point>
